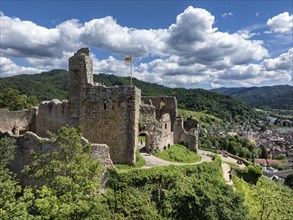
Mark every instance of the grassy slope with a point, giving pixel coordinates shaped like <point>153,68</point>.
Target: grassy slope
<point>178,153</point>
<point>267,199</point>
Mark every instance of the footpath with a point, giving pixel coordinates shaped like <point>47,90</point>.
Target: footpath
<point>152,161</point>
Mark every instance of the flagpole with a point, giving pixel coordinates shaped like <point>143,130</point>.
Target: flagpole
<point>131,70</point>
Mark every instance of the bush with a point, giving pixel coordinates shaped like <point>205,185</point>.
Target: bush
<point>250,174</point>
<point>289,181</point>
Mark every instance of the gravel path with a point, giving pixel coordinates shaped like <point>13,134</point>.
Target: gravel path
<point>152,161</point>
<point>226,168</point>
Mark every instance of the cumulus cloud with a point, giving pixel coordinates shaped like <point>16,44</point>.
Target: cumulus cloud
<point>195,40</point>
<point>9,68</point>
<point>187,53</point>
<point>281,23</point>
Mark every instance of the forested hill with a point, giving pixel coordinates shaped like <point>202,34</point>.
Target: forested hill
<point>274,97</point>
<point>53,84</point>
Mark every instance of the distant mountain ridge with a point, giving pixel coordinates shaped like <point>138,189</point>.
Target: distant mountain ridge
<point>273,97</point>
<point>53,84</point>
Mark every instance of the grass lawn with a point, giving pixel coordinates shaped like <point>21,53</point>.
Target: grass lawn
<point>178,153</point>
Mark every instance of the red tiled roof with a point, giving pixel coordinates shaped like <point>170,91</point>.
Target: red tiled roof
<point>264,161</point>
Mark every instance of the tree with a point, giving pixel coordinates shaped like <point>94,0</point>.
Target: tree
<point>14,101</point>
<point>264,152</point>
<point>289,181</point>
<point>66,180</point>
<point>7,149</point>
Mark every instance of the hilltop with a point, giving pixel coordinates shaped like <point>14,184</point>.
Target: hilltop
<point>53,84</point>
<point>273,97</point>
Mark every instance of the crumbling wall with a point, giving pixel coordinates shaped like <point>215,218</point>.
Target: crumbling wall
<point>189,138</point>
<point>163,105</point>
<point>31,142</point>
<point>167,138</point>
<point>190,124</point>
<point>159,132</point>
<point>108,115</point>
<point>52,115</point>
<point>17,120</point>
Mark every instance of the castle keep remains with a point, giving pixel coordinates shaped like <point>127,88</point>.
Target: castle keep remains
<point>111,116</point>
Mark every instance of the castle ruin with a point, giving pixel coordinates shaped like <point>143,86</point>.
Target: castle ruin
<point>111,116</point>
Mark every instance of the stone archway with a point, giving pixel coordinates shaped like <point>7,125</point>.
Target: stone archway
<point>144,140</point>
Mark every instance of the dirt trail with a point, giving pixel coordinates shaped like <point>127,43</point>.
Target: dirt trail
<point>152,161</point>
<point>226,169</point>
<point>155,161</point>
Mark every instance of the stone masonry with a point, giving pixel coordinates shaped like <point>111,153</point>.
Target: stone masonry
<point>108,115</point>
<point>111,117</point>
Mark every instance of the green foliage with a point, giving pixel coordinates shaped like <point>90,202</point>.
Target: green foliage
<point>14,101</point>
<point>53,84</point>
<point>45,86</point>
<point>11,207</point>
<point>174,192</point>
<point>267,199</point>
<point>251,173</point>
<point>204,119</point>
<point>233,144</point>
<point>273,97</point>
<point>289,181</point>
<point>264,152</point>
<point>178,153</point>
<point>7,150</point>
<point>65,180</point>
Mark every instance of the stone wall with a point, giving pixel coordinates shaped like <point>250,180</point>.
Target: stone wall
<point>158,132</point>
<point>80,67</point>
<point>163,105</point>
<point>52,115</point>
<point>21,120</point>
<point>189,138</point>
<point>30,141</point>
<point>108,115</point>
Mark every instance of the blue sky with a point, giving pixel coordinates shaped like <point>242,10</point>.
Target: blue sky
<point>191,44</point>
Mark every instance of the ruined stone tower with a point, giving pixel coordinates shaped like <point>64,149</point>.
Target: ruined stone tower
<point>80,75</point>
<point>108,115</point>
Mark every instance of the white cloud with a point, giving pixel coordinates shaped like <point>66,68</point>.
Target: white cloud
<point>283,62</point>
<point>9,68</point>
<point>188,53</point>
<point>227,14</point>
<point>281,23</point>
<point>195,40</point>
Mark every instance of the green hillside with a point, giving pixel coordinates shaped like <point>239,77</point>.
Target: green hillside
<point>274,97</point>
<point>53,84</point>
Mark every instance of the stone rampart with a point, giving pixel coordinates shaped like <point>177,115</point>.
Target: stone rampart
<point>52,115</point>
<point>31,142</point>
<point>17,121</point>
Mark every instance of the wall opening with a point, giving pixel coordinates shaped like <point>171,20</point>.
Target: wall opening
<point>105,106</point>
<point>143,142</point>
